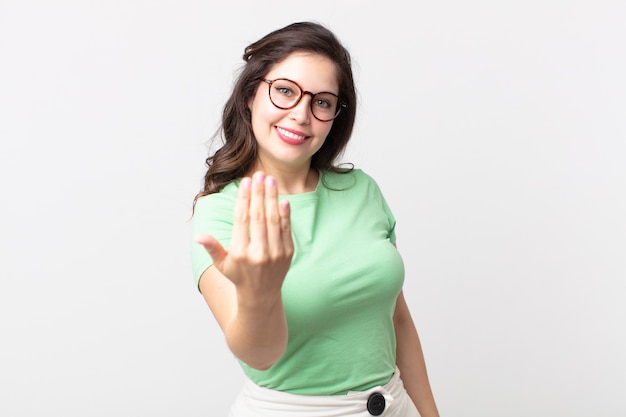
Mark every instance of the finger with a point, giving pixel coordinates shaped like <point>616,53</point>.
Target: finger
<point>241,219</point>
<point>272,216</point>
<point>214,248</point>
<point>285,226</point>
<point>258,228</point>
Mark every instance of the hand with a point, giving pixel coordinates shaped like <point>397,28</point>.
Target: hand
<point>261,247</point>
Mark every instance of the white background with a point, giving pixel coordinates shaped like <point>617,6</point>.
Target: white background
<point>496,130</point>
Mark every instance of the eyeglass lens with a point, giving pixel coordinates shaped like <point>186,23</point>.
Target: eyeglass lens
<point>286,94</point>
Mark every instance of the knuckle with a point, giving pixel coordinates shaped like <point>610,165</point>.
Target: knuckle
<point>257,256</point>
<point>237,255</point>
<point>257,216</point>
<point>241,216</point>
<point>273,218</point>
<point>277,254</point>
<point>260,260</point>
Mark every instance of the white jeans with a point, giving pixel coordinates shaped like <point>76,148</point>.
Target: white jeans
<point>255,401</point>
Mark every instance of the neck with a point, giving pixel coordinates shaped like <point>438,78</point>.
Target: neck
<point>293,181</point>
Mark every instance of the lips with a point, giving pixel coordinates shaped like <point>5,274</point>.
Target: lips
<point>290,136</point>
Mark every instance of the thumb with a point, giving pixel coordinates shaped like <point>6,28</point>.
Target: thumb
<point>213,247</point>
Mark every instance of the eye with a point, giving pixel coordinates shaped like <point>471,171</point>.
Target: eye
<point>322,103</point>
<point>325,101</point>
<point>285,91</point>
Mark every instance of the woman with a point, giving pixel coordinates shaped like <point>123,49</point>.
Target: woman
<point>296,256</point>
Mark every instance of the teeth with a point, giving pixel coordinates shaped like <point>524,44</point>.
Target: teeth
<point>290,135</point>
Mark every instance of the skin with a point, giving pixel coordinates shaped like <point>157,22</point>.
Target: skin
<point>410,360</point>
<point>243,287</point>
<point>289,163</point>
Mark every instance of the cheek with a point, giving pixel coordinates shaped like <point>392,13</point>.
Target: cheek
<point>263,111</point>
<point>324,129</point>
<point>263,121</point>
<point>257,102</point>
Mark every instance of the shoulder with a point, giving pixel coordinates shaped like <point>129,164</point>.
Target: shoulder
<point>354,178</point>
<point>217,202</point>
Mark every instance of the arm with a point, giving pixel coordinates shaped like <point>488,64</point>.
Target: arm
<point>410,361</point>
<point>243,286</point>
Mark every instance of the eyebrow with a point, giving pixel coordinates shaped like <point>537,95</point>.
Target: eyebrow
<point>302,88</point>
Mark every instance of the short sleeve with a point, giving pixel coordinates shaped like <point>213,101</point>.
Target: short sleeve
<point>213,215</point>
<point>377,195</point>
<point>392,221</point>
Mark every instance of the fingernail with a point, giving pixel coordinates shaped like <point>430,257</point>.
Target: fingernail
<point>245,182</point>
<point>271,182</point>
<point>260,177</point>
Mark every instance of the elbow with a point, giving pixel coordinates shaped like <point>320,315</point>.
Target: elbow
<point>261,366</point>
<point>262,359</point>
<point>262,363</point>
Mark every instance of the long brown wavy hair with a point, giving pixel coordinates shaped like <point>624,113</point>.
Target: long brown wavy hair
<point>238,152</point>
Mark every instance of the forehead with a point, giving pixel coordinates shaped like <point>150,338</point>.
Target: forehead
<point>313,72</point>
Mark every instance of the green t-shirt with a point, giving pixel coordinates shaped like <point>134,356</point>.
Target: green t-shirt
<point>340,292</point>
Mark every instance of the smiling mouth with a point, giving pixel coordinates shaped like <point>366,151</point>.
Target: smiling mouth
<point>289,134</point>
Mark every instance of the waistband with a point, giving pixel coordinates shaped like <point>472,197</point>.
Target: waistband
<point>256,401</point>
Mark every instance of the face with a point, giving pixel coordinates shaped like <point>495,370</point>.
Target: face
<point>287,139</point>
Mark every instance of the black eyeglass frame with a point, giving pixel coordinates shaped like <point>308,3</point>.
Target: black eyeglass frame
<point>340,103</point>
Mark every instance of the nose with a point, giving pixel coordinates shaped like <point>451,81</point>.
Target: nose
<point>301,113</point>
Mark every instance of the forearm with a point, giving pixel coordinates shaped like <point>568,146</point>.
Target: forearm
<point>410,361</point>
<point>257,334</point>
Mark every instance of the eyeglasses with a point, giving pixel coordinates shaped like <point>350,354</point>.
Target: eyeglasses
<point>286,94</point>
